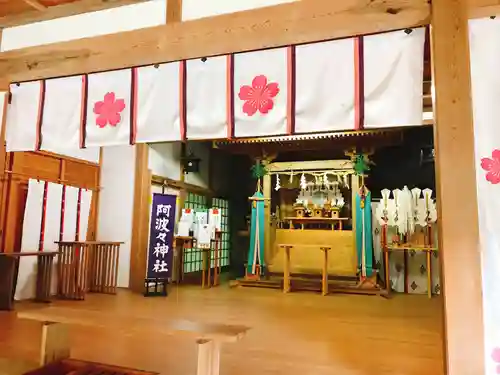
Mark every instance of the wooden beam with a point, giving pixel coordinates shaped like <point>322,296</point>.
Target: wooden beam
<point>456,190</point>
<point>280,25</point>
<point>35,4</point>
<point>63,10</point>
<point>483,8</point>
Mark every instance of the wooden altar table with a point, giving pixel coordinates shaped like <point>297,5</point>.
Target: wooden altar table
<point>405,248</point>
<point>8,276</point>
<point>55,340</point>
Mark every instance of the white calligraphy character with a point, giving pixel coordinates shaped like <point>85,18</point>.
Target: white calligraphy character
<point>161,236</point>
<point>160,267</point>
<point>160,249</point>
<point>161,224</point>
<point>163,209</point>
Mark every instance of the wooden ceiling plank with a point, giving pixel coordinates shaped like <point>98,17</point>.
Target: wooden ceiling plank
<point>36,5</point>
<point>63,10</point>
<point>275,26</point>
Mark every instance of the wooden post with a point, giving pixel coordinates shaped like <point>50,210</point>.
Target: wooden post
<point>456,190</point>
<point>55,343</point>
<point>324,283</point>
<point>286,271</point>
<point>139,246</point>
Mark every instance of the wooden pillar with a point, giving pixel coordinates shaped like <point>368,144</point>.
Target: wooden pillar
<point>140,221</point>
<point>456,190</point>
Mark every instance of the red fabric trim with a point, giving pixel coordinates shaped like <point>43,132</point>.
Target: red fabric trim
<point>63,208</point>
<point>44,212</point>
<point>359,83</point>
<point>39,120</point>
<point>78,211</point>
<point>182,98</point>
<point>230,95</point>
<point>290,110</point>
<point>83,111</point>
<point>133,106</point>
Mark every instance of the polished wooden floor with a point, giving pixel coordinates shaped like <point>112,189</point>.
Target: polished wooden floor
<point>293,334</point>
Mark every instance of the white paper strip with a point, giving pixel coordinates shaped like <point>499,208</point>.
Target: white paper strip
<point>484,54</point>
<point>324,81</point>
<point>53,227</point>
<point>26,278</point>
<point>260,93</point>
<point>84,213</point>
<point>158,103</point>
<point>206,98</point>
<point>393,78</point>
<point>70,212</point>
<point>22,116</point>
<point>108,108</point>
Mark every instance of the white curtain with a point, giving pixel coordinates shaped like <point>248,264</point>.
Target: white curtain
<point>109,108</point>
<point>393,78</point>
<point>324,82</point>
<point>484,55</point>
<point>260,93</point>
<point>62,114</point>
<point>158,117</point>
<point>23,114</point>
<point>206,98</point>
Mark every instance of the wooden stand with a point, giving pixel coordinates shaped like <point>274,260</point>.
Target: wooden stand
<point>87,267</point>
<point>428,249</point>
<point>181,243</point>
<point>159,285</point>
<point>8,269</point>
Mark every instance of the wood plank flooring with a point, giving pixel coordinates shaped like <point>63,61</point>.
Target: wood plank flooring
<point>293,334</point>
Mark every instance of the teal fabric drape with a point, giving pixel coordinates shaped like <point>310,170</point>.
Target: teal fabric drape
<point>364,235</point>
<point>256,250</point>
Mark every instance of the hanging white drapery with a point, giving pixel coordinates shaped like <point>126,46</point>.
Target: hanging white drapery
<point>484,55</point>
<point>393,78</point>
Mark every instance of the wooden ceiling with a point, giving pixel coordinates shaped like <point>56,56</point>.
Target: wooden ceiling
<point>20,12</point>
<point>15,7</point>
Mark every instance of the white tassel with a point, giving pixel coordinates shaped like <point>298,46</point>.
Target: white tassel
<point>278,186</point>
<point>303,182</point>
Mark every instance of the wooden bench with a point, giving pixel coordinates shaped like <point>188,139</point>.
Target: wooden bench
<point>55,344</point>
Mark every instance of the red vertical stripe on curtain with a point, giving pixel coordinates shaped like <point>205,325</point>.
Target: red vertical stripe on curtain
<point>133,106</point>
<point>182,98</point>
<point>230,95</point>
<point>63,208</point>
<point>78,211</point>
<point>359,83</point>
<point>290,105</point>
<point>39,120</point>
<point>83,110</point>
<point>44,212</point>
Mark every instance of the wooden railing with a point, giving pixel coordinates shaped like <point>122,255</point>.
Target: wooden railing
<point>90,266</point>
